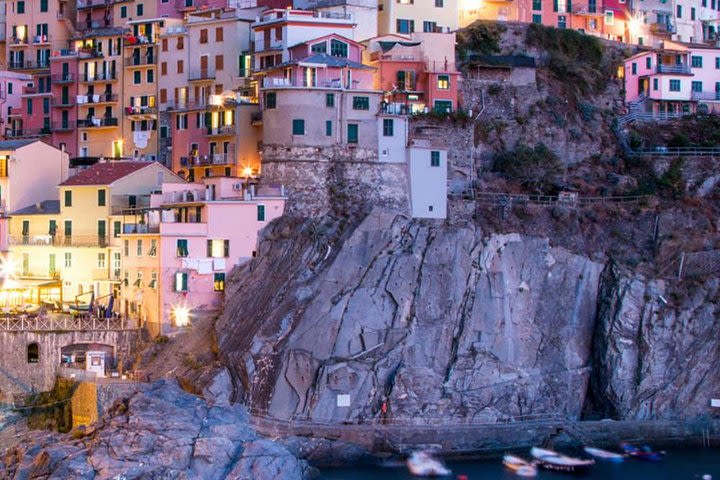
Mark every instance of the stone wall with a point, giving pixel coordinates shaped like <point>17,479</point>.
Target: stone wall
<point>17,376</point>
<point>318,180</point>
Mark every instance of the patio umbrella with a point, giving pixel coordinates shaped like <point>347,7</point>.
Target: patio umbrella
<point>92,301</point>
<point>109,309</point>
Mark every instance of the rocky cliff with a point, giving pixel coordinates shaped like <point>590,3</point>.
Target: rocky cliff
<point>442,320</point>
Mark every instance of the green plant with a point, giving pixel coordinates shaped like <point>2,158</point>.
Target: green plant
<point>536,167</point>
<point>482,37</point>
<point>495,89</point>
<point>672,180</point>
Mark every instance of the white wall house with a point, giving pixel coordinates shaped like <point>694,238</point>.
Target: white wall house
<point>427,171</point>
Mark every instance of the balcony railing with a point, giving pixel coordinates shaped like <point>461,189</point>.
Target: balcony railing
<point>707,96</point>
<point>61,240</point>
<point>62,78</point>
<point>105,97</point>
<point>27,132</point>
<point>143,110</point>
<point>202,74</point>
<point>98,122</point>
<point>186,104</point>
<point>224,130</point>
<point>661,27</point>
<point>94,3</point>
<point>28,64</point>
<point>280,82</point>
<point>41,40</point>
<point>139,228</point>
<point>182,5</point>
<point>682,69</point>
<point>99,77</point>
<point>18,42</point>
<point>61,323</point>
<point>140,61</point>
<point>62,102</point>
<point>203,160</point>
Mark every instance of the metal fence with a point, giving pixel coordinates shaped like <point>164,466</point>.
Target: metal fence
<point>25,323</point>
<point>697,264</point>
<point>502,199</point>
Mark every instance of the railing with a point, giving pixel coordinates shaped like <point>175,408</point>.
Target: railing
<point>104,97</point>
<point>710,96</point>
<point>99,77</point>
<point>144,110</point>
<point>662,28</point>
<point>185,104</point>
<point>140,228</point>
<point>140,61</point>
<point>62,127</point>
<point>274,82</point>
<point>18,42</point>
<point>202,74</point>
<point>41,40</point>
<point>586,10</point>
<point>675,152</point>
<point>62,78</point>
<point>93,3</point>
<point>224,130</point>
<point>63,323</point>
<point>181,5</point>
<point>395,109</point>
<point>28,64</point>
<point>501,199</point>
<point>98,122</point>
<point>648,117</point>
<point>62,102</point>
<point>27,132</point>
<point>212,159</point>
<point>683,69</point>
<point>61,240</point>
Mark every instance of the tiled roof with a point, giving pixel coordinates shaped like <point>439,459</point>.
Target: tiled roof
<point>47,207</point>
<point>105,173</point>
<point>15,144</point>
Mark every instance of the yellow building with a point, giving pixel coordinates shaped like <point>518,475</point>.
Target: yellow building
<point>408,16</point>
<point>76,239</point>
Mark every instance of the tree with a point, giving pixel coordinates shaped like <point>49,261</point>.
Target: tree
<point>536,167</point>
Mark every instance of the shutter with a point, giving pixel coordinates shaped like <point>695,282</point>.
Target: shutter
<point>401,80</point>
<point>555,5</point>
<point>411,85</point>
<point>569,6</point>
<point>184,282</point>
<point>226,248</point>
<point>209,248</point>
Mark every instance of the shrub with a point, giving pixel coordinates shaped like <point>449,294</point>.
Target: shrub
<point>482,37</point>
<point>495,89</point>
<point>536,167</point>
<point>672,180</point>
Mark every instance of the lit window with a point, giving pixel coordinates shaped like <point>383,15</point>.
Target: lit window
<point>218,248</point>
<point>443,82</point>
<point>219,283</point>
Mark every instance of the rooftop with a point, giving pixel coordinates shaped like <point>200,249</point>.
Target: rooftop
<point>15,144</point>
<point>105,173</point>
<point>46,207</point>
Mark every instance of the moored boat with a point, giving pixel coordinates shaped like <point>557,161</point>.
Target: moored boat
<point>605,455</point>
<point>424,464</point>
<point>556,462</point>
<point>645,453</point>
<point>520,466</point>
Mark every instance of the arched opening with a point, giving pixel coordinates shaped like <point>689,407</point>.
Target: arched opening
<point>33,353</point>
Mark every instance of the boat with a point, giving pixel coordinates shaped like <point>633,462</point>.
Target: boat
<point>605,455</point>
<point>520,466</point>
<point>645,453</point>
<point>556,462</point>
<point>424,464</point>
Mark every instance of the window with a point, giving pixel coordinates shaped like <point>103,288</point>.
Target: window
<point>182,247</point>
<point>52,267</point>
<point>434,158</point>
<point>443,106</point>
<point>140,9</point>
<point>388,127</point>
<point>429,26</point>
<point>219,282</point>
<point>151,76</point>
<point>204,35</point>
<point>270,100</point>
<point>181,282</point>
<point>562,22</point>
<point>656,84</point>
<point>101,260</point>
<point>29,106</point>
<point>298,126</point>
<point>153,280</point>
<point>692,13</point>
<point>648,63</point>
<point>679,11</point>
<point>319,48</point>
<point>43,5</point>
<point>609,17</point>
<point>261,213</point>
<point>153,248</point>
<point>328,128</point>
<point>180,66</point>
<point>353,133</point>
<point>329,99</point>
<point>674,85</point>
<point>163,68</point>
<point>101,198</point>
<point>219,62</point>
<point>10,84</point>
<point>537,5</point>
<point>164,45</point>
<point>126,248</point>
<point>180,43</point>
<point>405,26</point>
<point>68,198</point>
<point>361,103</point>
<point>443,82</point>
<point>117,228</point>
<point>717,63</point>
<point>123,11</point>
<point>634,68</point>
<point>537,19</point>
<point>139,248</point>
<point>696,61</point>
<point>33,350</point>
<point>139,279</point>
<point>219,34</point>
<point>137,77</point>
<point>21,6</point>
<point>696,86</point>
<point>338,48</point>
<point>68,260</point>
<point>218,248</point>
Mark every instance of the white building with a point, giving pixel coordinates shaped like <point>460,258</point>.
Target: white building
<point>427,172</point>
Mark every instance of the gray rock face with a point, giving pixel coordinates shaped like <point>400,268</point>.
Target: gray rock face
<point>656,351</point>
<point>161,432</point>
<point>437,320</point>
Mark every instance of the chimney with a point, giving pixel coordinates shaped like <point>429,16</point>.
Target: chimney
<point>39,207</point>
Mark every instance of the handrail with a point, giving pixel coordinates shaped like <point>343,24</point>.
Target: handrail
<point>24,323</point>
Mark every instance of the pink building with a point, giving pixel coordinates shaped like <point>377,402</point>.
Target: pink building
<point>11,85</point>
<point>679,78</point>
<point>64,87</point>
<point>415,73</point>
<point>179,252</point>
<point>322,95</point>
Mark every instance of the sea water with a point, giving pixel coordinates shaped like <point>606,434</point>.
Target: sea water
<point>677,465</point>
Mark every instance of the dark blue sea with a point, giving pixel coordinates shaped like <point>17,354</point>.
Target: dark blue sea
<point>678,465</point>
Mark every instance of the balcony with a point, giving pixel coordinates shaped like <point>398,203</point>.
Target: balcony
<point>105,122</point>
<point>207,160</point>
<point>139,228</point>
<point>28,65</point>
<point>189,5</point>
<point>587,10</point>
<point>186,105</point>
<point>141,61</point>
<point>61,240</point>
<point>15,42</point>
<point>662,28</point>
<point>131,42</point>
<point>84,4</point>
<point>62,78</point>
<point>41,40</point>
<point>677,69</point>
<point>105,97</point>
<point>99,77</point>
<point>201,74</point>
<point>62,102</point>
<point>225,130</point>
<point>705,96</point>
<point>90,53</point>
<point>140,111</point>
<point>282,82</point>
<point>62,127</point>
<point>27,132</point>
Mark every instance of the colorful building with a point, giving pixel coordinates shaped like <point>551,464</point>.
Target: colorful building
<point>11,86</point>
<point>404,17</point>
<point>179,252</point>
<point>679,78</point>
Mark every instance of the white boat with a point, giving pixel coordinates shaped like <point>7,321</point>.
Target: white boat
<point>605,455</point>
<point>554,461</point>
<point>424,464</point>
<point>520,466</point>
